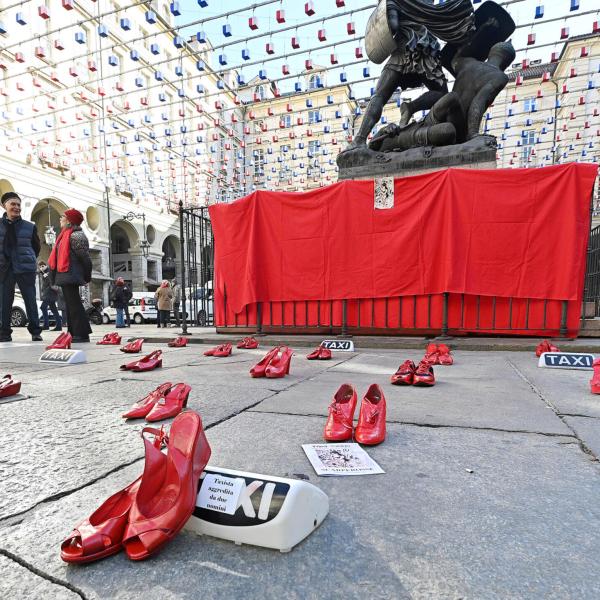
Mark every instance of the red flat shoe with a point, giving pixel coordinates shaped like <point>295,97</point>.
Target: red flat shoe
<point>144,406</point>
<point>167,497</point>
<point>338,427</point>
<point>405,373</point>
<point>370,430</point>
<point>279,365</point>
<point>133,347</point>
<point>444,356</point>
<point>148,363</point>
<point>62,342</point>
<point>180,342</point>
<point>223,350</point>
<point>9,387</point>
<point>171,404</point>
<point>424,374</point>
<point>314,355</point>
<point>324,353</point>
<point>258,370</point>
<point>101,534</point>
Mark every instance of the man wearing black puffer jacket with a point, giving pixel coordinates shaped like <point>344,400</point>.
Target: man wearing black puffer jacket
<point>19,248</point>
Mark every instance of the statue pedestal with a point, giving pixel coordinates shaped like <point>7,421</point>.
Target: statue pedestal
<point>362,163</point>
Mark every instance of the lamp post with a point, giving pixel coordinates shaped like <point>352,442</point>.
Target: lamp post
<point>49,233</point>
<point>144,244</point>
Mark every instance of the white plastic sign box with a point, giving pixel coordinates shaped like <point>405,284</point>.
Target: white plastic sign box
<point>260,510</point>
<point>63,357</point>
<point>340,345</point>
<point>566,360</point>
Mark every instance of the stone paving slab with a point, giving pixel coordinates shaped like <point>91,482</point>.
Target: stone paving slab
<point>468,394</point>
<point>588,429</point>
<point>425,529</point>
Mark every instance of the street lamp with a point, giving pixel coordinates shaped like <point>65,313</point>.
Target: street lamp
<point>144,244</point>
<point>49,233</point>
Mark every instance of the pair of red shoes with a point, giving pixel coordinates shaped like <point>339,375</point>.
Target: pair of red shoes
<point>166,401</point>
<point>438,354</point>
<point>149,512</point>
<point>9,386</point>
<point>110,339</point>
<point>148,363</point>
<point>221,351</point>
<point>248,343</point>
<point>545,346</point>
<point>62,342</point>
<point>275,363</point>
<point>370,429</point>
<point>409,374</point>
<point>320,353</point>
<point>133,347</point>
<point>180,342</point>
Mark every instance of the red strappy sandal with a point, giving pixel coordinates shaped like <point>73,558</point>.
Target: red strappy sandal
<point>171,403</point>
<point>9,387</point>
<point>133,347</point>
<point>167,496</point>
<point>145,405</point>
<point>101,534</point>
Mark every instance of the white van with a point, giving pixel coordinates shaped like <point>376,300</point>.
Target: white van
<point>142,309</point>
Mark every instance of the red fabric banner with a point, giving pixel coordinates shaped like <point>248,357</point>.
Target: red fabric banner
<point>514,233</point>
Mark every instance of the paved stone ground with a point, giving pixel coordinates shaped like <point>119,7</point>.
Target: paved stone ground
<point>490,492</point>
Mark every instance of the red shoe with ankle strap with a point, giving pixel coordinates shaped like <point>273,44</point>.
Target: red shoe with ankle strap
<point>248,343</point>
<point>167,496</point>
<point>370,430</point>
<point>280,364</point>
<point>595,380</point>
<point>133,347</point>
<point>444,355</point>
<point>223,350</point>
<point>145,405</point>
<point>405,373</point>
<point>9,386</point>
<point>148,363</point>
<point>180,342</point>
<point>171,404</point>
<point>258,370</point>
<point>338,427</point>
<point>62,342</point>
<point>101,534</point>
<point>424,375</point>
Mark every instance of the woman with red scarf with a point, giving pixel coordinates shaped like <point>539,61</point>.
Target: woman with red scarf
<point>71,266</point>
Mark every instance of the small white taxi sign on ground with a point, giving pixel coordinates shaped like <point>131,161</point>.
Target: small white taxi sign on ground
<point>63,357</point>
<point>261,510</point>
<point>566,360</point>
<point>340,345</point>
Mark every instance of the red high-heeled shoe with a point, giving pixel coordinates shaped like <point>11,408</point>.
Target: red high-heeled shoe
<point>594,381</point>
<point>9,386</point>
<point>405,373</point>
<point>338,427</point>
<point>180,342</point>
<point>444,355</point>
<point>223,350</point>
<point>133,347</point>
<point>101,534</point>
<point>258,370</point>
<point>148,363</point>
<point>424,375</point>
<point>248,343</point>
<point>371,418</point>
<point>62,342</point>
<point>144,406</point>
<point>167,497</point>
<point>110,339</point>
<point>171,404</point>
<point>279,365</point>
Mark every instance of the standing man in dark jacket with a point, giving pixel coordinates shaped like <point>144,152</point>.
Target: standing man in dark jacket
<point>120,296</point>
<point>19,249</point>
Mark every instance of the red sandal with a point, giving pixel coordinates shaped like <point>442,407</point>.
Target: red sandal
<point>171,404</point>
<point>148,363</point>
<point>145,405</point>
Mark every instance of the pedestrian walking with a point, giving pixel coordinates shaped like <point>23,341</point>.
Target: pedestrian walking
<point>49,297</point>
<point>19,249</point>
<point>71,267</point>
<point>164,303</point>
<point>176,300</point>
<point>120,296</point>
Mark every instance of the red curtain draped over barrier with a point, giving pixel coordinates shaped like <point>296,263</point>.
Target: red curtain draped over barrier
<point>518,233</point>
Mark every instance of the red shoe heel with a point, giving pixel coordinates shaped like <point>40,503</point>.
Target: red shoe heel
<point>102,533</point>
<point>145,405</point>
<point>258,370</point>
<point>171,404</point>
<point>166,498</point>
<point>9,387</point>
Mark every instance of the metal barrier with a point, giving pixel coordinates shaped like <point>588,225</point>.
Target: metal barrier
<point>592,278</point>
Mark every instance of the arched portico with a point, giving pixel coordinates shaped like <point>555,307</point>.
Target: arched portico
<point>170,259</point>
<point>46,216</point>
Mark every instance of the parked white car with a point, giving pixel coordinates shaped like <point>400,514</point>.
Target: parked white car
<point>200,300</point>
<point>142,309</point>
<point>18,314</point>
